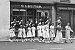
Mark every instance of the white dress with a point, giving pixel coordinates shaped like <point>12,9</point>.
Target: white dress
<point>20,32</point>
<point>33,31</point>
<point>52,32</point>
<point>68,29</point>
<point>43,31</point>
<point>29,34</point>
<point>58,35</point>
<point>47,31</point>
<point>39,31</point>
<point>11,31</point>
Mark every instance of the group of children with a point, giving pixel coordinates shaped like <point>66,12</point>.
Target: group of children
<point>45,33</point>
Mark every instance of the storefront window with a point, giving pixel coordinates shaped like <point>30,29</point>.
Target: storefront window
<point>38,13</point>
<point>19,12</point>
<point>15,12</point>
<point>42,15</point>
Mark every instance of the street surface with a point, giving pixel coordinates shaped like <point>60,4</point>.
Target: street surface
<point>36,46</point>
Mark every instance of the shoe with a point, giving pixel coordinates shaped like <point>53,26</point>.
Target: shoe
<point>47,42</point>
<point>17,40</point>
<point>71,41</point>
<point>22,41</point>
<point>62,42</point>
<point>50,41</point>
<point>43,41</point>
<point>40,41</point>
<point>57,42</point>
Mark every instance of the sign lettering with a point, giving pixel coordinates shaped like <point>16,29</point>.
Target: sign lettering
<point>66,8</point>
<point>68,1</point>
<point>32,6</point>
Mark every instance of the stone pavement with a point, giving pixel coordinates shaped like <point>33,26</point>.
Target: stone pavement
<point>36,46</point>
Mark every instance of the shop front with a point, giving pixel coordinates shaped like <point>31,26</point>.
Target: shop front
<point>66,12</point>
<point>30,12</point>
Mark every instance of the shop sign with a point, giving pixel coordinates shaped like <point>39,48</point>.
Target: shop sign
<point>22,10</point>
<point>15,9</point>
<point>33,6</point>
<point>66,8</point>
<point>67,1</point>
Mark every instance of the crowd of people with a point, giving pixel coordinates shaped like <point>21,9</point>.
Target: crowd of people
<point>45,33</point>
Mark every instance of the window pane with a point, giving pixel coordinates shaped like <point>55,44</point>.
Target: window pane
<point>38,13</point>
<point>15,12</point>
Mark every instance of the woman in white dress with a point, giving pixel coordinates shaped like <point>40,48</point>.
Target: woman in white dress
<point>52,32</point>
<point>58,38</point>
<point>68,30</point>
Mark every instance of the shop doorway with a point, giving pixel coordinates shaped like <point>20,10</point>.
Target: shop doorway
<point>65,18</point>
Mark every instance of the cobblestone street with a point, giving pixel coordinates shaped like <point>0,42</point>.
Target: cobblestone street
<point>36,46</point>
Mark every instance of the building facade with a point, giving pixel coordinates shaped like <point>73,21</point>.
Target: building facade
<point>35,10</point>
<point>27,11</point>
<point>67,13</point>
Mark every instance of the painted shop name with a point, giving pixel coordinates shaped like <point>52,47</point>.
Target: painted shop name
<point>31,6</point>
<point>66,8</point>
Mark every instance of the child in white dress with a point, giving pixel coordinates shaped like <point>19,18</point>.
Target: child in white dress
<point>39,31</point>
<point>12,34</point>
<point>22,34</point>
<point>52,32</point>
<point>29,34</point>
<point>33,31</point>
<point>47,36</point>
<point>68,30</point>
<point>43,31</point>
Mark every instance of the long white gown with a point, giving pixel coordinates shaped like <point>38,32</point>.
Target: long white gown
<point>68,29</point>
<point>43,31</point>
<point>39,31</point>
<point>47,31</point>
<point>24,33</point>
<point>20,32</point>
<point>33,31</point>
<point>58,35</point>
<point>52,32</point>
<point>29,34</point>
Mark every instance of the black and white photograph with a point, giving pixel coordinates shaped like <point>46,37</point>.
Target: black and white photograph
<point>37,24</point>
